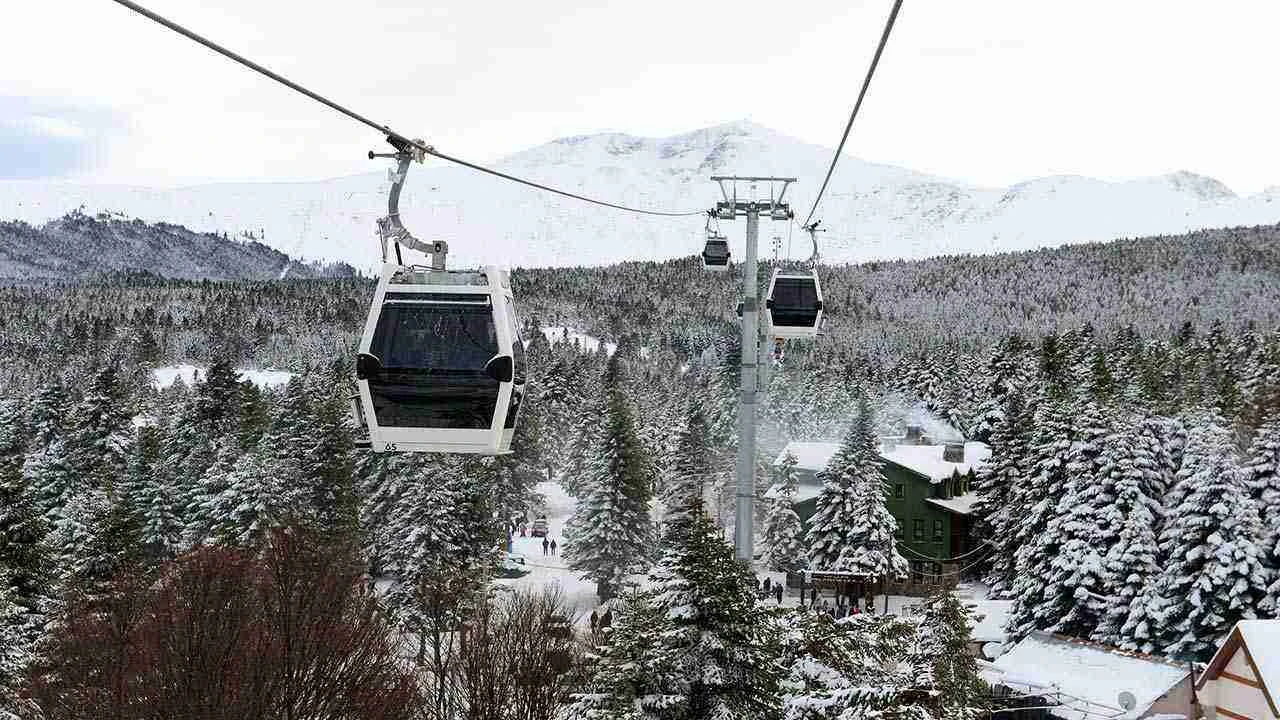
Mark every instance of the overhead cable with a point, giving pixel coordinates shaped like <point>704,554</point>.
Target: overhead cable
<point>396,138</point>
<point>866,83</point>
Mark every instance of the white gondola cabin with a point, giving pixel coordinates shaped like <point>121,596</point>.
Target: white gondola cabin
<point>441,365</point>
<point>715,255</point>
<point>793,305</point>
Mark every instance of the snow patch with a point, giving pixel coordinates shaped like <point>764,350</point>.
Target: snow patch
<point>559,334</point>
<point>163,377</point>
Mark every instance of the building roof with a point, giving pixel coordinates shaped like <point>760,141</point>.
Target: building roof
<point>960,504</point>
<point>812,456</point>
<point>925,460</point>
<point>1089,676</point>
<point>806,491</point>
<point>1260,640</point>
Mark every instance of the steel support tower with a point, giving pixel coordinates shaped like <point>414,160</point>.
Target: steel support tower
<point>755,366</point>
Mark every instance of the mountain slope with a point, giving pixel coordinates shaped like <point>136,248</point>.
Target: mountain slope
<point>77,246</point>
<point>873,211</point>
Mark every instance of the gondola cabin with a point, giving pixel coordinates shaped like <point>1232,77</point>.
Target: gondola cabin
<point>441,365</point>
<point>715,255</point>
<point>793,305</point>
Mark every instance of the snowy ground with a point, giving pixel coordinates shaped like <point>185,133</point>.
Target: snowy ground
<point>163,377</point>
<point>586,342</point>
<point>547,570</point>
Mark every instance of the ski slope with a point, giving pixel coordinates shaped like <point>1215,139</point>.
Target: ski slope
<point>873,211</point>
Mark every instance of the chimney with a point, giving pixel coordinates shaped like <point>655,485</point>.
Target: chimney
<point>953,452</point>
<point>915,434</point>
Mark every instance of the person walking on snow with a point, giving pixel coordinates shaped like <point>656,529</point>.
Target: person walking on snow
<point>553,547</point>
<point>545,544</point>
<point>777,591</point>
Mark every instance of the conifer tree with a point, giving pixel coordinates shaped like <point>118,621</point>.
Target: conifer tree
<point>153,498</point>
<point>1002,488</point>
<point>100,433</point>
<point>691,471</point>
<point>783,531</point>
<point>23,566</point>
<point>1132,476</point>
<point>851,529</point>
<point>1075,577</point>
<point>719,647</point>
<point>694,647</point>
<point>46,467</point>
<point>1262,472</point>
<point>608,535</point>
<point>1036,604</point>
<point>623,681</point>
<point>1212,575</point>
<point>946,629</point>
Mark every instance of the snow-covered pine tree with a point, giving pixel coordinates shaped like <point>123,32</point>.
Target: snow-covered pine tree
<point>851,529</point>
<point>1262,472</point>
<point>624,681</point>
<point>1212,575</point>
<point>1133,476</point>
<point>691,471</point>
<point>14,651</point>
<point>608,535</point>
<point>719,647</point>
<point>783,531</point>
<point>861,666</point>
<point>46,465</point>
<point>153,498</point>
<point>1076,574</point>
<point>1001,486</point>
<point>1035,606</point>
<point>23,565</point>
<point>256,495</point>
<point>100,433</point>
<point>946,628</point>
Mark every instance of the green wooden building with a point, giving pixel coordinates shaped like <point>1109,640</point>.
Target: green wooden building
<point>928,491</point>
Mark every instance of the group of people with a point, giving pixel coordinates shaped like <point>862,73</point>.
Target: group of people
<point>769,587</point>
<point>548,544</point>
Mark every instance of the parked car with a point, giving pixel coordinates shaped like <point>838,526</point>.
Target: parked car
<point>539,528</point>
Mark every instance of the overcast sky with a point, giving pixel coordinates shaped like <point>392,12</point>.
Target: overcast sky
<point>989,91</point>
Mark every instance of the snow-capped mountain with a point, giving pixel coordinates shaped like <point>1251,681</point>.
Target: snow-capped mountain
<point>873,211</point>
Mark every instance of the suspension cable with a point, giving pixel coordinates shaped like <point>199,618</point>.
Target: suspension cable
<point>396,138</point>
<point>866,83</point>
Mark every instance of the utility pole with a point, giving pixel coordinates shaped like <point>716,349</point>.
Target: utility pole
<point>754,365</point>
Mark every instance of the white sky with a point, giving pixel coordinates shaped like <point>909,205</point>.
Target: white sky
<point>990,91</point>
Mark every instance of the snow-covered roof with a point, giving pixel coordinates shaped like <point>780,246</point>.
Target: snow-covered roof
<point>927,459</point>
<point>1090,677</point>
<point>163,377</point>
<point>995,615</point>
<point>806,491</point>
<point>1261,640</point>
<point>924,459</point>
<point>1262,637</point>
<point>812,456</point>
<point>960,504</point>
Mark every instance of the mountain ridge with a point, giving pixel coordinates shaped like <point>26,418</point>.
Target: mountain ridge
<point>873,211</point>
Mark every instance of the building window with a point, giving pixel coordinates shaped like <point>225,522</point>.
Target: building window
<point>936,569</point>
<point>937,530</point>
<point>917,529</point>
<point>917,571</point>
<point>899,490</point>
